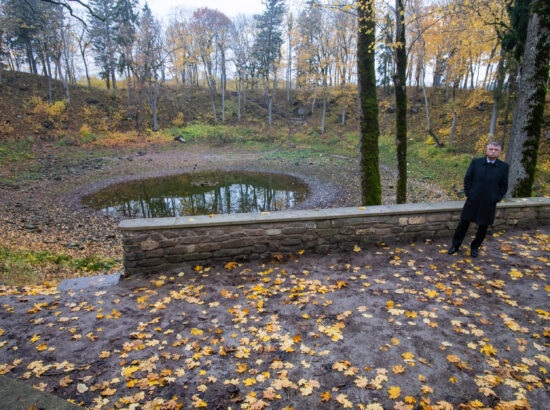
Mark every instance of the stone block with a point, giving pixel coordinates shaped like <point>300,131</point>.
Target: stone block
<point>233,252</point>
<point>324,224</point>
<point>293,230</point>
<point>181,250</point>
<point>273,232</point>
<point>349,221</point>
<point>197,256</point>
<point>253,232</point>
<point>238,243</point>
<point>291,242</point>
<point>167,243</point>
<point>174,258</point>
<point>155,253</point>
<point>135,256</point>
<point>325,233</point>
<point>208,247</point>
<point>191,240</point>
<point>146,263</point>
<point>347,230</point>
<point>149,245</point>
<point>437,217</point>
<point>171,234</point>
<point>403,220</point>
<point>416,220</point>
<point>260,248</point>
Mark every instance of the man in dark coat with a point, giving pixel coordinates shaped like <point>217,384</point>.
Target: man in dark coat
<point>485,184</point>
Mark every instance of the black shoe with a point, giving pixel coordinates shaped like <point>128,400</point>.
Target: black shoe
<point>474,253</point>
<point>452,250</point>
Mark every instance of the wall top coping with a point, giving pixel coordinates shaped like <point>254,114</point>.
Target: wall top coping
<point>312,214</point>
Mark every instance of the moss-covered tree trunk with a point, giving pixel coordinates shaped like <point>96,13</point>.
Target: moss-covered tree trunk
<point>399,80</point>
<point>369,131</point>
<point>528,114</point>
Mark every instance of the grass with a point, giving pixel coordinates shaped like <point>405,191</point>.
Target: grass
<point>16,150</point>
<point>442,166</point>
<point>25,266</point>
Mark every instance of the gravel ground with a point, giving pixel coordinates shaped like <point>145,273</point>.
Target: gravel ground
<point>391,326</point>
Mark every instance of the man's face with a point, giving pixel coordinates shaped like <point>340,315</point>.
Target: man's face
<point>493,151</point>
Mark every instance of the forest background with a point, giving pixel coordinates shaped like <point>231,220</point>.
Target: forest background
<point>107,73</point>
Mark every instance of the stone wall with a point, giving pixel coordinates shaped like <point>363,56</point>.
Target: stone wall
<point>166,244</point>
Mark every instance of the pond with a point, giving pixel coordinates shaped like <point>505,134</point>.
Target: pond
<point>200,193</point>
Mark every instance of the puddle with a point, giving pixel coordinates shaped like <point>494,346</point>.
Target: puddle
<point>200,193</point>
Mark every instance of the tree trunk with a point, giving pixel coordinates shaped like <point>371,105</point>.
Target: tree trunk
<point>343,113</point>
<point>453,126</point>
<point>497,95</point>
<point>369,131</point>
<point>323,117</point>
<point>83,52</point>
<point>528,115</point>
<point>399,80</point>
<point>239,85</point>
<point>270,108</point>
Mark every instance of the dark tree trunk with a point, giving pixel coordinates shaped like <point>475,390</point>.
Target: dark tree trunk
<point>369,131</point>
<point>528,115</point>
<point>399,81</point>
<point>497,94</point>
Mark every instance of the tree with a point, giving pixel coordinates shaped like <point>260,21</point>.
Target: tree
<point>400,82</point>
<point>241,54</point>
<point>386,53</point>
<point>206,24</point>
<point>105,30</point>
<point>369,131</point>
<point>148,61</point>
<point>268,42</point>
<point>528,115</point>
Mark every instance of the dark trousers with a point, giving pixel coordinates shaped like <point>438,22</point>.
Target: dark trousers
<point>460,233</point>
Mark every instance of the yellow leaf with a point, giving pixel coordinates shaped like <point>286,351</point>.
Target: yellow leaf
<point>300,252</point>
<point>41,347</point>
<point>105,354</point>
<point>488,350</point>
<point>410,400</point>
<point>356,249</point>
<point>325,396</point>
<point>394,392</point>
<point>453,379</point>
<point>230,265</point>
<point>408,355</point>
<point>394,341</point>
<point>198,268</point>
<point>421,378</point>
<point>35,337</point>
<point>453,358</point>
<point>250,381</point>
<point>108,392</point>
<point>398,369</point>
<point>128,371</point>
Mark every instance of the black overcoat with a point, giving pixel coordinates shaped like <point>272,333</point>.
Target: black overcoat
<point>485,184</point>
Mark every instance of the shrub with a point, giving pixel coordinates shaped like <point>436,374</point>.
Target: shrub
<point>178,121</point>
<point>86,134</point>
<point>6,129</point>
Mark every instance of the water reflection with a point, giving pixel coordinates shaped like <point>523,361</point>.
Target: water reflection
<point>200,193</point>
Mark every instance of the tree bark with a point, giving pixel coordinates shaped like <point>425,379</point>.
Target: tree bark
<point>528,115</point>
<point>369,130</point>
<point>400,89</point>
<point>453,126</point>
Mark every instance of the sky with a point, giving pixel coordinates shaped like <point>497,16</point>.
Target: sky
<point>162,9</point>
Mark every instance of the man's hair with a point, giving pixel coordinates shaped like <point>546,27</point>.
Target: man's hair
<point>494,144</point>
